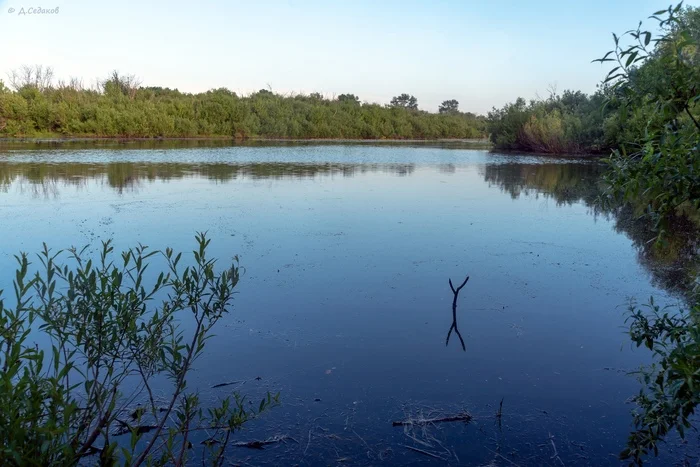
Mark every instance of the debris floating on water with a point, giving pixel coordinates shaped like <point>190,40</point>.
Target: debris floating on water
<point>221,385</point>
<point>460,417</point>
<point>256,444</point>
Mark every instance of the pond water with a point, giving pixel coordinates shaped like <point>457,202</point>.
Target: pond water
<point>345,306</point>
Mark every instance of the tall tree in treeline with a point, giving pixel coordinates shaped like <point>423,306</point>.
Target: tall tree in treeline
<point>449,106</point>
<point>349,98</point>
<point>405,101</point>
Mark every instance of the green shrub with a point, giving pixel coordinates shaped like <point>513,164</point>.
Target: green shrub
<point>567,123</point>
<point>105,335</point>
<point>656,169</point>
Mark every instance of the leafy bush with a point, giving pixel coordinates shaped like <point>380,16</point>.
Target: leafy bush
<point>85,340</point>
<point>657,89</point>
<point>569,123</point>
<point>657,169</point>
<point>671,386</point>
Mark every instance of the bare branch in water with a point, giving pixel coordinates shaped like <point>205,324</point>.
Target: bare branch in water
<point>454,314</point>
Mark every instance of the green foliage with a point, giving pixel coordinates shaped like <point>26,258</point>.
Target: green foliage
<point>569,123</point>
<point>646,110</point>
<point>671,386</point>
<point>404,101</point>
<point>663,180</point>
<point>121,108</point>
<point>85,339</point>
<point>449,106</point>
<point>349,98</point>
<point>656,91</point>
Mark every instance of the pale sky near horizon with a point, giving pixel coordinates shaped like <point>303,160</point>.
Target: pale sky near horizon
<point>482,53</point>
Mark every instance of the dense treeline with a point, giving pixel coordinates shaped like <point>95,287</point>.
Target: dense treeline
<point>119,107</point>
<point>574,122</point>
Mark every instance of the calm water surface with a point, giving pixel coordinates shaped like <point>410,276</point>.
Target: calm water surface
<point>345,304</point>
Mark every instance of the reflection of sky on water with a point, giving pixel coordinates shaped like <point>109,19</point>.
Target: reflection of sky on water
<point>347,254</point>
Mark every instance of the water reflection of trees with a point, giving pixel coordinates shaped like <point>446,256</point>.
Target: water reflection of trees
<point>673,266</point>
<point>45,178</point>
<point>565,183</point>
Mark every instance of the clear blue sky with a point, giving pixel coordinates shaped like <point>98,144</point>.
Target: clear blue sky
<point>482,53</point>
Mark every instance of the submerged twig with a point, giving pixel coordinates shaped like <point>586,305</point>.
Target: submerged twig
<point>556,454</point>
<point>496,454</point>
<point>499,413</point>
<point>221,385</point>
<point>309,442</point>
<point>126,428</point>
<point>261,444</point>
<point>370,452</point>
<point>460,417</point>
<point>425,453</point>
<point>454,314</point>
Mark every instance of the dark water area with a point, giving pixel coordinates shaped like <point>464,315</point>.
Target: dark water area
<point>344,307</point>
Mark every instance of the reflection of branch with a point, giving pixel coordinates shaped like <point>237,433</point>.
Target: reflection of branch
<point>454,314</point>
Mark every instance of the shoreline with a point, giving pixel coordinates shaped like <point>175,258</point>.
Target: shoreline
<point>228,141</point>
<point>587,155</point>
<point>81,139</point>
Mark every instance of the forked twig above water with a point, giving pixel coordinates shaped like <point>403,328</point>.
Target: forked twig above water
<point>454,313</point>
<point>454,302</point>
